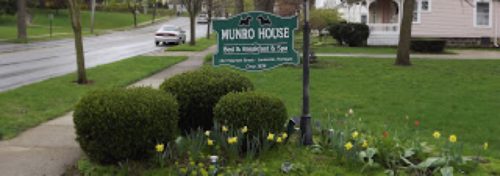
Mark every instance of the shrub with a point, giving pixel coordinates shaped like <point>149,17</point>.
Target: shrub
<point>259,112</point>
<point>428,45</point>
<point>352,34</point>
<point>120,124</point>
<point>197,93</point>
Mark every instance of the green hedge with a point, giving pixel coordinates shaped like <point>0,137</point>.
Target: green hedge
<point>428,45</point>
<point>259,112</point>
<point>120,124</point>
<point>352,34</point>
<point>197,93</point>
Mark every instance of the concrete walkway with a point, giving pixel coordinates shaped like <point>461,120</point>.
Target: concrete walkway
<point>50,148</point>
<point>460,55</point>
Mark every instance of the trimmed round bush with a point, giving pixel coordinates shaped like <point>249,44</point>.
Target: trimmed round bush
<point>259,112</point>
<point>197,93</point>
<point>125,124</point>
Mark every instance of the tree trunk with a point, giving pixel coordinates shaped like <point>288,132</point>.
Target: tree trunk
<point>239,6</point>
<point>74,14</point>
<point>264,5</point>
<point>22,35</point>
<point>403,57</point>
<point>154,11</point>
<point>135,14</point>
<point>192,19</point>
<point>209,11</point>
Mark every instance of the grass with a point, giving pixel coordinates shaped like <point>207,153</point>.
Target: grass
<point>455,97</point>
<point>31,105</point>
<point>201,45</point>
<point>39,29</point>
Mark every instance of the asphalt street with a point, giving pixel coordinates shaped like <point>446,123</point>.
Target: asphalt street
<point>22,64</point>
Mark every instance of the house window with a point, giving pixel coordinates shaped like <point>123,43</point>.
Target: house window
<point>364,19</point>
<point>425,5</point>
<point>483,12</point>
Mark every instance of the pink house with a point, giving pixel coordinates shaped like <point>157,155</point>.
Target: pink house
<point>460,22</point>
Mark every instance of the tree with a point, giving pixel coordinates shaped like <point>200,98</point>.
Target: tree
<point>193,7</point>
<point>321,18</point>
<point>210,5</point>
<point>264,5</point>
<point>403,57</point>
<point>74,15</point>
<point>239,6</point>
<point>22,35</point>
<point>155,6</point>
<point>132,8</point>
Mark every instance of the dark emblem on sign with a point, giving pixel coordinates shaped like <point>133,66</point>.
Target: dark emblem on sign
<point>245,21</point>
<point>264,21</point>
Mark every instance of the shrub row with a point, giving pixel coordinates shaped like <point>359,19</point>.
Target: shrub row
<point>121,124</point>
<point>428,45</point>
<point>352,34</point>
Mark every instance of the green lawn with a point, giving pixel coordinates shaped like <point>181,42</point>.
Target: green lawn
<point>455,97</point>
<point>39,29</point>
<point>31,105</point>
<point>201,44</point>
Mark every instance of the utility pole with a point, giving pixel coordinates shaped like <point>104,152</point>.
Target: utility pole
<point>92,17</point>
<point>305,119</point>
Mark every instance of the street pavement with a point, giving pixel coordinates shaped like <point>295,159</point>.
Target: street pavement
<point>22,64</point>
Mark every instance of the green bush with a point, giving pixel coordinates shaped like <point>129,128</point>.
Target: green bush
<point>428,45</point>
<point>121,124</point>
<point>352,34</point>
<point>259,112</point>
<point>197,93</point>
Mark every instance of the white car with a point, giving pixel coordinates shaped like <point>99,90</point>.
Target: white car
<point>170,34</point>
<point>202,18</point>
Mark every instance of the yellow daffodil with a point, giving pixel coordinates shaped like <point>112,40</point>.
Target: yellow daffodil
<point>284,135</point>
<point>351,112</point>
<point>270,137</point>
<point>279,140</point>
<point>224,128</point>
<point>244,129</point>
<point>485,146</point>
<point>348,146</point>
<point>207,133</point>
<point>160,148</point>
<point>453,138</point>
<point>436,134</point>
<point>210,142</point>
<point>355,134</point>
<point>232,140</point>
<point>365,144</point>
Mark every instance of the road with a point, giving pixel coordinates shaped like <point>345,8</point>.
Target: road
<point>22,64</point>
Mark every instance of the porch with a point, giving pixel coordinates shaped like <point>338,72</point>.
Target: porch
<point>383,18</point>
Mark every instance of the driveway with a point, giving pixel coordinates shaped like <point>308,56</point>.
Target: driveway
<point>22,64</point>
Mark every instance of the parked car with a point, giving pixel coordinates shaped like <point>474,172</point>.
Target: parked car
<point>202,18</point>
<point>170,34</point>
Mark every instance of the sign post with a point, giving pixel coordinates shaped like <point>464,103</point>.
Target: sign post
<point>305,119</point>
<point>254,41</point>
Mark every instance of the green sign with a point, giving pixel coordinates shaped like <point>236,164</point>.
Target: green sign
<point>255,41</point>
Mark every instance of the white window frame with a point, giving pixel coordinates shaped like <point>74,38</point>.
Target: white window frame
<point>419,11</point>
<point>429,4</point>
<point>490,3</point>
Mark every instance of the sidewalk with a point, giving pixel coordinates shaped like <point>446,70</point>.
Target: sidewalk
<point>50,148</point>
<point>460,55</point>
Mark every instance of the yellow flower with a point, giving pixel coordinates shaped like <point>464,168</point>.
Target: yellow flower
<point>485,146</point>
<point>244,130</point>
<point>453,138</point>
<point>284,135</point>
<point>436,134</point>
<point>348,146</point>
<point>355,134</point>
<point>365,144</point>
<point>160,147</point>
<point>210,142</point>
<point>351,112</point>
<point>232,140</point>
<point>279,140</point>
<point>270,137</point>
<point>224,128</point>
<point>207,133</point>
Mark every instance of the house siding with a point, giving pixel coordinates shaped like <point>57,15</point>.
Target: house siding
<point>454,19</point>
